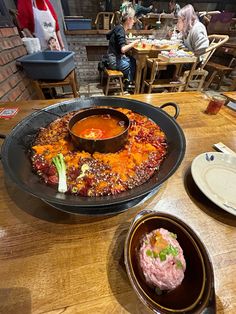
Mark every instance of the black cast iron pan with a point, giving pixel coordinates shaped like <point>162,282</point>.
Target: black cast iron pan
<point>17,165</point>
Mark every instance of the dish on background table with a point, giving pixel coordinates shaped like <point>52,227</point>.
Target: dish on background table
<point>215,175</point>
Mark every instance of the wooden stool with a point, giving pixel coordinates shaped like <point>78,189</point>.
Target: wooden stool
<point>70,80</point>
<point>112,77</point>
<point>218,71</point>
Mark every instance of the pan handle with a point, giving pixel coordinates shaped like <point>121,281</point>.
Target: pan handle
<point>172,104</point>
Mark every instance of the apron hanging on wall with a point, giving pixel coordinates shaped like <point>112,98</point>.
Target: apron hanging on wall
<point>44,28</point>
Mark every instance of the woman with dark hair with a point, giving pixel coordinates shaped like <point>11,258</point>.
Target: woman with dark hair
<point>118,47</point>
<point>193,31</point>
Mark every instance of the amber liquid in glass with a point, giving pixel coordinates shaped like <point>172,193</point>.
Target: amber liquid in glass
<point>214,105</point>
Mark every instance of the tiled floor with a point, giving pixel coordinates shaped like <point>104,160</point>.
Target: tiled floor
<point>95,89</point>
<point>85,90</point>
<point>91,89</point>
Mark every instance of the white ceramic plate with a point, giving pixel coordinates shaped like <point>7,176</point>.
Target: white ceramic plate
<point>215,175</point>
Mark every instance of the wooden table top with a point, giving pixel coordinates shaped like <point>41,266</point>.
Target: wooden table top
<point>150,47</point>
<point>53,262</point>
<point>230,95</point>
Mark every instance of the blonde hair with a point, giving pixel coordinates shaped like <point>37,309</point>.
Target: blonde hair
<point>127,13</point>
<point>189,16</point>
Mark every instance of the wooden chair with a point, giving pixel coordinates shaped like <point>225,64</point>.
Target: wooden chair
<point>196,80</point>
<point>117,18</point>
<point>155,65</point>
<point>105,20</point>
<point>218,71</point>
<point>70,80</point>
<point>114,80</point>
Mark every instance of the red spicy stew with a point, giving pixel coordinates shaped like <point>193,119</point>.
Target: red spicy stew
<point>98,127</point>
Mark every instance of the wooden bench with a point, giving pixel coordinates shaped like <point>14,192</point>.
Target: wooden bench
<point>114,80</point>
<point>70,80</point>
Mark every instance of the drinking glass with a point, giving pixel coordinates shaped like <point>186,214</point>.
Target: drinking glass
<point>215,103</point>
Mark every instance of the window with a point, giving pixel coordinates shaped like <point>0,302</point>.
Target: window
<point>5,19</point>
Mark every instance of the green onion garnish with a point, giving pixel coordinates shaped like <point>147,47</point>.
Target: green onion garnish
<point>179,264</point>
<point>149,253</point>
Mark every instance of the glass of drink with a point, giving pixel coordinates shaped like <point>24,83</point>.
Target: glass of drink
<point>143,43</point>
<point>158,24</point>
<point>216,102</point>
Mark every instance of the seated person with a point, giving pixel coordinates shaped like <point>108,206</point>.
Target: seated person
<point>173,7</point>
<point>117,60</point>
<point>193,32</point>
<point>141,10</point>
<point>125,5</point>
<point>203,18</point>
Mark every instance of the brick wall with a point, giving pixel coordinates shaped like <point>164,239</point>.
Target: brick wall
<point>88,52</point>
<point>14,85</point>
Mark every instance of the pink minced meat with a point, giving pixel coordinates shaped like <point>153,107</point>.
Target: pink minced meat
<point>162,262</point>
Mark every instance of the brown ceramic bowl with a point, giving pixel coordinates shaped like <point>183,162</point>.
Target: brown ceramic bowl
<point>107,145</point>
<point>197,288</point>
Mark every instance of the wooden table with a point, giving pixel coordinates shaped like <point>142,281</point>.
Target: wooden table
<point>230,47</point>
<point>141,55</point>
<point>230,95</point>
<point>155,65</point>
<point>150,20</point>
<point>52,262</point>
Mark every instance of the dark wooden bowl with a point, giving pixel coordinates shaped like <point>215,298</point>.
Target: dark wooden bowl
<point>108,145</point>
<point>194,293</point>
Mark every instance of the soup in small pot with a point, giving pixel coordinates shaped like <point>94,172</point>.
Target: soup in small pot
<point>99,127</point>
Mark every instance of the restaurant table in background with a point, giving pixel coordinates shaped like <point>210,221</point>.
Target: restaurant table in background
<point>230,46</point>
<point>226,54</point>
<point>150,20</point>
<point>141,54</point>
<point>53,262</point>
<point>231,96</point>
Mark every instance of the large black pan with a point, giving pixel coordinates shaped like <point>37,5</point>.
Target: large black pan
<point>17,164</point>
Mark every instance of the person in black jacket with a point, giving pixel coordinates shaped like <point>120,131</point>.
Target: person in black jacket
<point>140,9</point>
<point>118,46</point>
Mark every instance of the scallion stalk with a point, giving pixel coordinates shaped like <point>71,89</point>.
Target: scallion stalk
<point>61,169</point>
